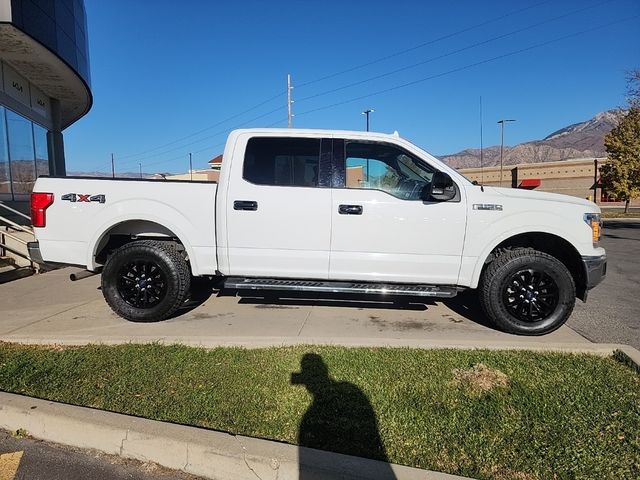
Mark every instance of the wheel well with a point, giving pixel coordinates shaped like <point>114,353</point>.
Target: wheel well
<point>550,244</point>
<point>130,231</point>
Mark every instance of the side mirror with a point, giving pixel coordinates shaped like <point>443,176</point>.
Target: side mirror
<point>441,188</point>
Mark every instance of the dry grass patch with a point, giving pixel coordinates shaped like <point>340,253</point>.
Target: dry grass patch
<point>479,378</point>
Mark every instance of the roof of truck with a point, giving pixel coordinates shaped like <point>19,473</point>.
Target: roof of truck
<point>318,132</point>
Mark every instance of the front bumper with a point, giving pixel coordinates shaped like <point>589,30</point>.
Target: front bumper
<point>34,252</point>
<point>595,269</point>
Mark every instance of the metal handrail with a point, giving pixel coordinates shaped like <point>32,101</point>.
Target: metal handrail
<point>13,210</point>
<point>10,224</point>
<point>21,254</point>
<point>13,224</point>
<point>17,239</point>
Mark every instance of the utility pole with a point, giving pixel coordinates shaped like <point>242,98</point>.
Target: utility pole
<point>367,113</point>
<point>289,102</point>
<point>481,149</point>
<point>190,167</point>
<point>502,122</point>
<point>113,168</point>
<point>595,181</point>
<point>140,166</point>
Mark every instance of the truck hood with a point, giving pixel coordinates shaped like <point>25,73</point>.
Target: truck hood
<point>543,196</point>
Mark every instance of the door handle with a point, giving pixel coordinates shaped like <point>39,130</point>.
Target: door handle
<point>245,205</point>
<point>350,209</point>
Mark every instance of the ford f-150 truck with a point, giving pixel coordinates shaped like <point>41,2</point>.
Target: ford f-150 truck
<point>325,211</point>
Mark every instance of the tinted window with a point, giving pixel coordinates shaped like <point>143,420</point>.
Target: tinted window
<point>290,162</point>
<point>385,167</point>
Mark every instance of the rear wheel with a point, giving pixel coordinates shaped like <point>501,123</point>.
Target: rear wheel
<point>146,280</point>
<point>527,292</point>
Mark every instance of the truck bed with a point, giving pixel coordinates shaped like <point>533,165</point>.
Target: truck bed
<point>86,210</point>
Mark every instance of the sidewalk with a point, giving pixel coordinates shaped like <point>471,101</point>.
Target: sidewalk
<point>49,308</point>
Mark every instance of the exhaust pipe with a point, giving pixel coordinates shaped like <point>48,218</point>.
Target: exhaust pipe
<point>74,277</point>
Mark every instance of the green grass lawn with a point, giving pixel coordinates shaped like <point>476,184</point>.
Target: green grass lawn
<point>484,414</point>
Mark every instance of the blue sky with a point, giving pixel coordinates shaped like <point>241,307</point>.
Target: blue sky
<point>164,70</point>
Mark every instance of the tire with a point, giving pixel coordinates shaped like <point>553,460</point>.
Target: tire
<point>527,292</point>
<point>146,280</point>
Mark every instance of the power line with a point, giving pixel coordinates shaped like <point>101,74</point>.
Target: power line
<point>372,78</point>
<point>211,147</point>
<point>452,52</point>
<point>471,65</point>
<point>335,74</point>
<point>221,132</point>
<point>424,44</point>
<point>270,99</point>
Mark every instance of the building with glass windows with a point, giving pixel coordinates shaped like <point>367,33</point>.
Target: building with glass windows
<point>44,88</point>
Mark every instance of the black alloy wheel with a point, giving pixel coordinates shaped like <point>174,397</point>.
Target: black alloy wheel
<point>142,283</point>
<point>531,295</point>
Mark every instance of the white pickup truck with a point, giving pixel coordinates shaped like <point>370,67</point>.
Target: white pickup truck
<point>325,211</point>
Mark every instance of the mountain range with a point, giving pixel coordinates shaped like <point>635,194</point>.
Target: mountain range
<point>580,140</point>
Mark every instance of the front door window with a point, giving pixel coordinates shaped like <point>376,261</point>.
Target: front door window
<point>385,167</point>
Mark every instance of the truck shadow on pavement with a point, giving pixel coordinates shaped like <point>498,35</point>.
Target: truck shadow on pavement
<point>201,290</point>
<point>340,419</point>
<point>615,225</point>
<point>465,304</point>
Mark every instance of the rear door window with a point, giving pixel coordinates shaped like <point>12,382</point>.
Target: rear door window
<point>292,162</point>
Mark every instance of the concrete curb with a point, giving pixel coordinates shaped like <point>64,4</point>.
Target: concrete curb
<point>206,453</point>
<point>602,349</point>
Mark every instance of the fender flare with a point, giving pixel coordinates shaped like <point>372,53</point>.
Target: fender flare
<point>481,260</point>
<point>113,222</point>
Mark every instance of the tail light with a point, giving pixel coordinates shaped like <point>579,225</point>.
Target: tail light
<point>39,204</point>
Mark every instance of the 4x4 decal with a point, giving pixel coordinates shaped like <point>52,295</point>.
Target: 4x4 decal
<point>81,197</point>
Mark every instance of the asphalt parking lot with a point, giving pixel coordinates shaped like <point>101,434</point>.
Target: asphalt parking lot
<point>612,312</point>
<point>49,308</point>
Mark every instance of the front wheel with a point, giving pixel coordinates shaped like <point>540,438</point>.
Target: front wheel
<point>146,280</point>
<point>527,292</point>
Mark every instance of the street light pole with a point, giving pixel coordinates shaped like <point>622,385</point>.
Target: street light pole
<point>367,113</point>
<point>140,166</point>
<point>502,122</point>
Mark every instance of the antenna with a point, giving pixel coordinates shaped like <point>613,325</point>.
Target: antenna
<point>481,150</point>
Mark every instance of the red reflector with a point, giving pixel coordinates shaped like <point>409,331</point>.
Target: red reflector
<point>39,203</point>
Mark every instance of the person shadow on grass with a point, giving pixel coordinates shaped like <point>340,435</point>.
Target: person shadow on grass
<point>339,419</point>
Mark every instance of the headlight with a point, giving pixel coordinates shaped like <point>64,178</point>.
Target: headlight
<point>593,220</point>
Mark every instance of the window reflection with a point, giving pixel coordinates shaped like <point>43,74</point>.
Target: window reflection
<point>379,166</point>
<point>23,155</point>
<point>5,178</point>
<point>42,155</point>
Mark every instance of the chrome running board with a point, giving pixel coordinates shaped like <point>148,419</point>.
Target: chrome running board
<point>325,286</point>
